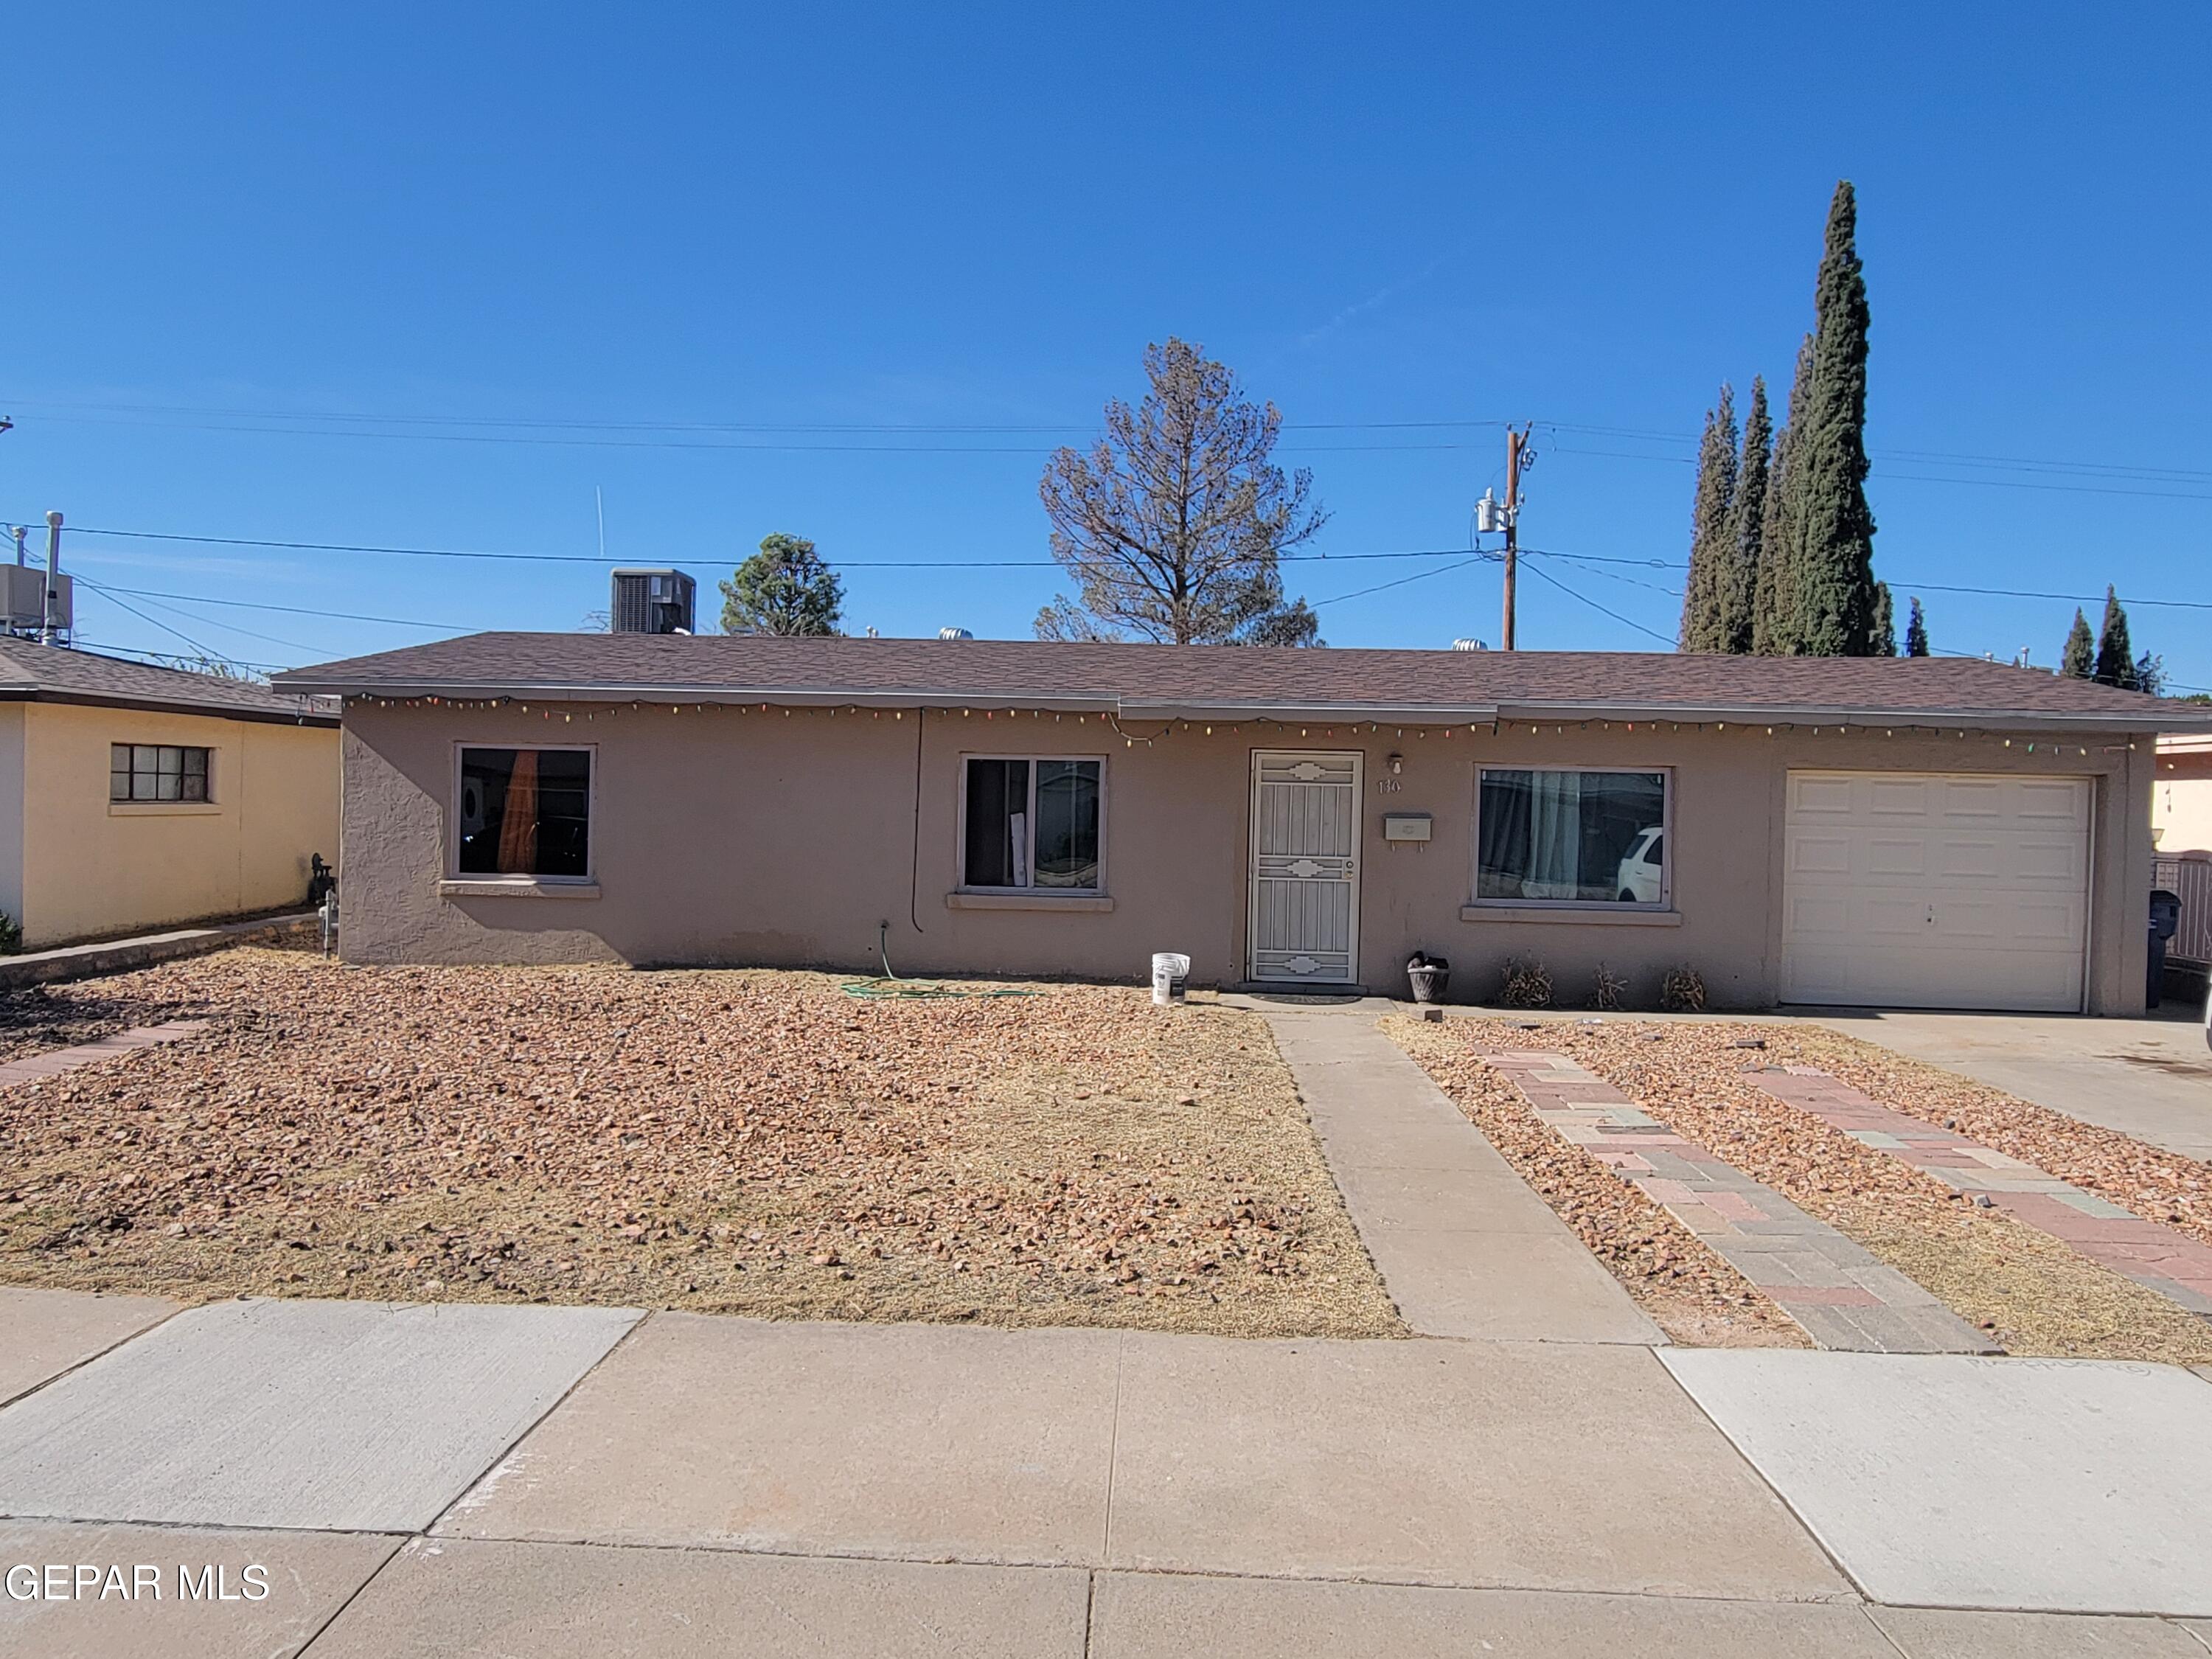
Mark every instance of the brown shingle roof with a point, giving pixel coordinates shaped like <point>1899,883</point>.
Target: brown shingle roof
<point>1159,681</point>
<point>54,673</point>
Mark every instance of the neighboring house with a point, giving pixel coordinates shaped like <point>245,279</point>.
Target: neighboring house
<point>132,796</point>
<point>1924,831</point>
<point>2181,800</point>
<point>2181,827</point>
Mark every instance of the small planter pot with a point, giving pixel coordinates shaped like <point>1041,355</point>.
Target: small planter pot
<point>1430,975</point>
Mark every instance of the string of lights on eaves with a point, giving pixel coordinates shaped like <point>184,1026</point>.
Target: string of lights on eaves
<point>569,716</point>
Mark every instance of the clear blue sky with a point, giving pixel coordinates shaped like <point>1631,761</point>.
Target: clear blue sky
<point>754,253</point>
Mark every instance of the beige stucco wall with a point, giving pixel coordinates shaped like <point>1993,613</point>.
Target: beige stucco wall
<point>91,868</point>
<point>11,809</point>
<point>775,839</point>
<point>2181,800</point>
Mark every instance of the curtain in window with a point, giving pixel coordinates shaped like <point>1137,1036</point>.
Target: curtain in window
<point>1553,870</point>
<point>517,829</point>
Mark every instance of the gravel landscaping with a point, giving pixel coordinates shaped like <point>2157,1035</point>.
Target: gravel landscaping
<point>741,1142</point>
<point>1692,1294</point>
<point>2033,1294</point>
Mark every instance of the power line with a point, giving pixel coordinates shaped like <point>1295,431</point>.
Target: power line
<point>290,610</point>
<point>1419,575</point>
<point>1663,639</point>
<point>1031,564</point>
<point>234,628</point>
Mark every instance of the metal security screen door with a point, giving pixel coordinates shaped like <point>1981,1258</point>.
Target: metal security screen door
<point>1305,924</point>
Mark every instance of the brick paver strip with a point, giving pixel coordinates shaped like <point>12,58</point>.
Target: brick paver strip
<point>1832,1287</point>
<point>55,1061</point>
<point>2159,1258</point>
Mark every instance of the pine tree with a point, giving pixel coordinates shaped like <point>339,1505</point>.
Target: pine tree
<point>2079,661</point>
<point>1747,520</point>
<point>1774,621</point>
<point>1705,623</point>
<point>2116,657</point>
<point>1834,529</point>
<point>1885,624</point>
<point>785,588</point>
<point>1916,633</point>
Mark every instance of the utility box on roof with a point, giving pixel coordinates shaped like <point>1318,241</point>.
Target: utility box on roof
<point>651,602</point>
<point>23,599</point>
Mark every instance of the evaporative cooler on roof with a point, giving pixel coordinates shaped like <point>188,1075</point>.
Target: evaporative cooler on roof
<point>651,602</point>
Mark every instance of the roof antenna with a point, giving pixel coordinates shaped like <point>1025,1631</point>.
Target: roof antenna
<point>599,500</point>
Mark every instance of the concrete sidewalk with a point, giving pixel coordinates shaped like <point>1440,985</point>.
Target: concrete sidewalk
<point>707,1485</point>
<point>1465,1248</point>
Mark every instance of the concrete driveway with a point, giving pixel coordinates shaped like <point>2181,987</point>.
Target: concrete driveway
<point>2147,1077</point>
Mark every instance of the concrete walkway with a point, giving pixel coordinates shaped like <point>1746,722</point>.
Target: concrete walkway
<point>1463,1245</point>
<point>1836,1291</point>
<point>118,955</point>
<point>2151,1079</point>
<point>420,1481</point>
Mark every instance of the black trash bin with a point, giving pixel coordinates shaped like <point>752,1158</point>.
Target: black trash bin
<point>2165,923</point>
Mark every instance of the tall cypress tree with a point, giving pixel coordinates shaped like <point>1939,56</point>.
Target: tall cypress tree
<point>2116,656</point>
<point>1834,529</point>
<point>1885,624</point>
<point>1916,633</point>
<point>1774,619</point>
<point>1746,521</point>
<point>2079,661</point>
<point>1705,624</point>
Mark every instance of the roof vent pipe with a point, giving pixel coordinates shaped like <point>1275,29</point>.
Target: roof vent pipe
<point>954,634</point>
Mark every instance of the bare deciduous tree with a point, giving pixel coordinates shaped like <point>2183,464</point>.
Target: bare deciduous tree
<point>1172,526</point>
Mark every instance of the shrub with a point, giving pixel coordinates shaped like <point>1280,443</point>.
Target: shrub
<point>1607,990</point>
<point>1682,992</point>
<point>1527,985</point>
<point>11,935</point>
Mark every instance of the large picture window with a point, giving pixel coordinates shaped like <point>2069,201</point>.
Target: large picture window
<point>1030,824</point>
<point>1571,838</point>
<point>156,771</point>
<point>525,812</point>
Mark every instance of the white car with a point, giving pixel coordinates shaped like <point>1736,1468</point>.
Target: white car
<point>1638,876</point>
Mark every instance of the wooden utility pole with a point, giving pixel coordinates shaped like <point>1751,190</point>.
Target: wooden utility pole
<point>1514,442</point>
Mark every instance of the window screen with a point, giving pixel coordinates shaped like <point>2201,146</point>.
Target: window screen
<point>156,771</point>
<point>525,812</point>
<point>1570,836</point>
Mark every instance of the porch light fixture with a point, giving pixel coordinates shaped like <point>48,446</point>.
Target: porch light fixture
<point>1396,763</point>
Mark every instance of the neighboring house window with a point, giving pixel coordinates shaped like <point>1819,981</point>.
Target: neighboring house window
<point>1554,835</point>
<point>1030,823</point>
<point>524,812</point>
<point>156,771</point>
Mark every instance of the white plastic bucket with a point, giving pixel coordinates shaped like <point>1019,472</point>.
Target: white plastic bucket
<point>1171,978</point>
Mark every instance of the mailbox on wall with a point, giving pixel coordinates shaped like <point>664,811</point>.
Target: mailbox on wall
<point>1405,826</point>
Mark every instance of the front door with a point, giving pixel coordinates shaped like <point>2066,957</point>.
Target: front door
<point>1305,925</point>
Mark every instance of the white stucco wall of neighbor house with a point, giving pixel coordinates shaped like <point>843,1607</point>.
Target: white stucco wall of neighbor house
<point>790,839</point>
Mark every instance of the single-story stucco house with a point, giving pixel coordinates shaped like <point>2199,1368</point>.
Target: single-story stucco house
<point>133,796</point>
<point>1932,832</point>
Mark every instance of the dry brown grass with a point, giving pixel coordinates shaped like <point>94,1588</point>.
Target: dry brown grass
<point>740,1142</point>
<point>2033,1293</point>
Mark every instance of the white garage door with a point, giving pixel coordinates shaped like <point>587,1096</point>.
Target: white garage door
<point>1936,890</point>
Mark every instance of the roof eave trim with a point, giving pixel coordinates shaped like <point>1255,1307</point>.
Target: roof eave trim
<point>1981,720</point>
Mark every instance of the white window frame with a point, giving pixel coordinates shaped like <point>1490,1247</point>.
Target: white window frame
<point>1665,902</point>
<point>960,828</point>
<point>518,878</point>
